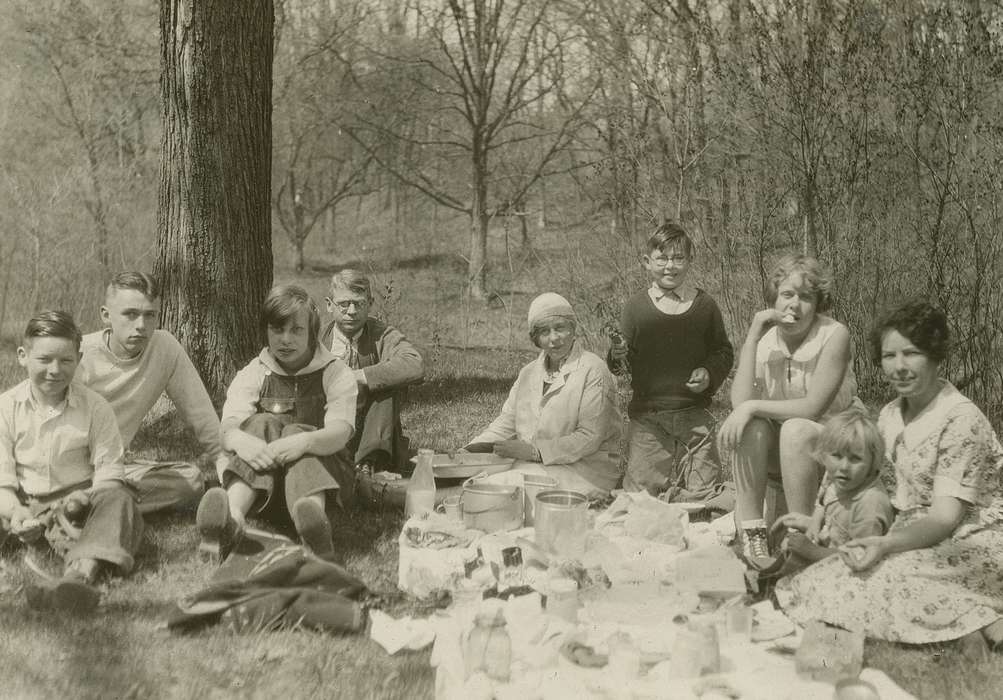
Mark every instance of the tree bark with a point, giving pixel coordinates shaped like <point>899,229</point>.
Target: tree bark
<point>477,266</point>
<point>214,225</point>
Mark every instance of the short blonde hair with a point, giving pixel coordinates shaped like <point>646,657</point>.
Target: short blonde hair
<point>812,273</point>
<point>853,427</point>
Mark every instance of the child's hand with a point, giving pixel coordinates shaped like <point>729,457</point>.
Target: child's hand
<point>793,521</point>
<point>699,380</point>
<point>290,448</point>
<point>256,452</point>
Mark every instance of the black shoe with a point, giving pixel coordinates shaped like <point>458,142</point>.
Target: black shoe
<point>219,533</point>
<point>313,527</point>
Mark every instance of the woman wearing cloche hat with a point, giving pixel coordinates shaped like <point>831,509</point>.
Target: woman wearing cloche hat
<point>561,417</point>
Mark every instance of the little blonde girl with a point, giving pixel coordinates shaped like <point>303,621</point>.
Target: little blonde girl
<point>852,502</point>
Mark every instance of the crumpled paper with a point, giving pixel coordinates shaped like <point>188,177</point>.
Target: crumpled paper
<point>640,515</point>
<point>406,633</point>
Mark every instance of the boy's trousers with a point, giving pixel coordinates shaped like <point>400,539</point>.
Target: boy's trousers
<point>673,450</point>
<point>112,532</point>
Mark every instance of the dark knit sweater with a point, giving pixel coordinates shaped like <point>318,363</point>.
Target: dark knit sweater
<point>665,349</point>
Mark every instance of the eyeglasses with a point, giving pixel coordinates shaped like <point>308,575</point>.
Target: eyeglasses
<point>662,261</point>
<point>346,305</point>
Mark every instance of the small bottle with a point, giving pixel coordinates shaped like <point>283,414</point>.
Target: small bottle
<point>420,495</point>
<point>488,647</point>
<point>510,575</point>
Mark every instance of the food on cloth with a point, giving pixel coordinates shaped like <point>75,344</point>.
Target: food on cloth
<point>582,655</point>
<point>585,578</point>
<point>436,531</point>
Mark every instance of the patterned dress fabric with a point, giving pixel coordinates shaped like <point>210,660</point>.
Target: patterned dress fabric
<point>926,595</point>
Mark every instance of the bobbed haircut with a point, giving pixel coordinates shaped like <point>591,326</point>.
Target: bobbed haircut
<point>921,322</point>
<point>283,302</point>
<point>354,281</point>
<point>52,324</point>
<point>812,274</point>
<point>668,235</point>
<point>853,428</point>
<point>146,284</point>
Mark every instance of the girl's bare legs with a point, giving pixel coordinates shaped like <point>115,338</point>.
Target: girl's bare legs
<point>800,472</point>
<point>751,467</point>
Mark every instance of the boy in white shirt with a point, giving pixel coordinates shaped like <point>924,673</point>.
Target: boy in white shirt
<point>59,441</point>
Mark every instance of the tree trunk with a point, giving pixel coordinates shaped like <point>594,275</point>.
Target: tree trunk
<point>477,270</point>
<point>214,224</point>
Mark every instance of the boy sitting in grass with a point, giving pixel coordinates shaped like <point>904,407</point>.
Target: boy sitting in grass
<point>132,363</point>
<point>287,418</point>
<point>59,443</point>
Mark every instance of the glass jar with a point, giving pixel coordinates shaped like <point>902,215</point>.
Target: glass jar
<point>487,647</point>
<point>510,574</point>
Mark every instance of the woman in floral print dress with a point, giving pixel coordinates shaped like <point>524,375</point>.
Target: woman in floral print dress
<point>937,575</point>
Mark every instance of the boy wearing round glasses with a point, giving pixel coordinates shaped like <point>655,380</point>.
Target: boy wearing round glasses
<point>384,363</point>
<point>679,354</point>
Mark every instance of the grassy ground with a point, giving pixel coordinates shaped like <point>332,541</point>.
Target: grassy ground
<point>473,354</point>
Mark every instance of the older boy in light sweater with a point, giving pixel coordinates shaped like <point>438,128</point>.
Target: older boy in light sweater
<point>131,363</point>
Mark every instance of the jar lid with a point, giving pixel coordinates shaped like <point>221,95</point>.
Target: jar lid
<point>512,556</point>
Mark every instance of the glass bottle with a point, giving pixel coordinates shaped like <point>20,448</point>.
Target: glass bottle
<point>420,495</point>
<point>488,647</point>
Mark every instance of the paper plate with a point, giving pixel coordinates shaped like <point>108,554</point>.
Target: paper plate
<point>464,466</point>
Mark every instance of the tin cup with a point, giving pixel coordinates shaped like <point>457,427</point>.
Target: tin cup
<point>452,507</point>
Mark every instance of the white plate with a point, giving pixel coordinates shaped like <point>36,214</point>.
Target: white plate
<point>466,465</point>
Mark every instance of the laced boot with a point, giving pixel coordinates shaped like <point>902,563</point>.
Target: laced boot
<point>756,547</point>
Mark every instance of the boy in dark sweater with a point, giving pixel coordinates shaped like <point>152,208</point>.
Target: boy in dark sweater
<point>678,353</point>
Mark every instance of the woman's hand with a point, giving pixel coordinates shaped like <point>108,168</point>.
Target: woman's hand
<point>522,451</point>
<point>861,554</point>
<point>762,322</point>
<point>290,448</point>
<point>730,432</point>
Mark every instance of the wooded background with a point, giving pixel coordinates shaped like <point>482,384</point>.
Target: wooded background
<point>866,133</point>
